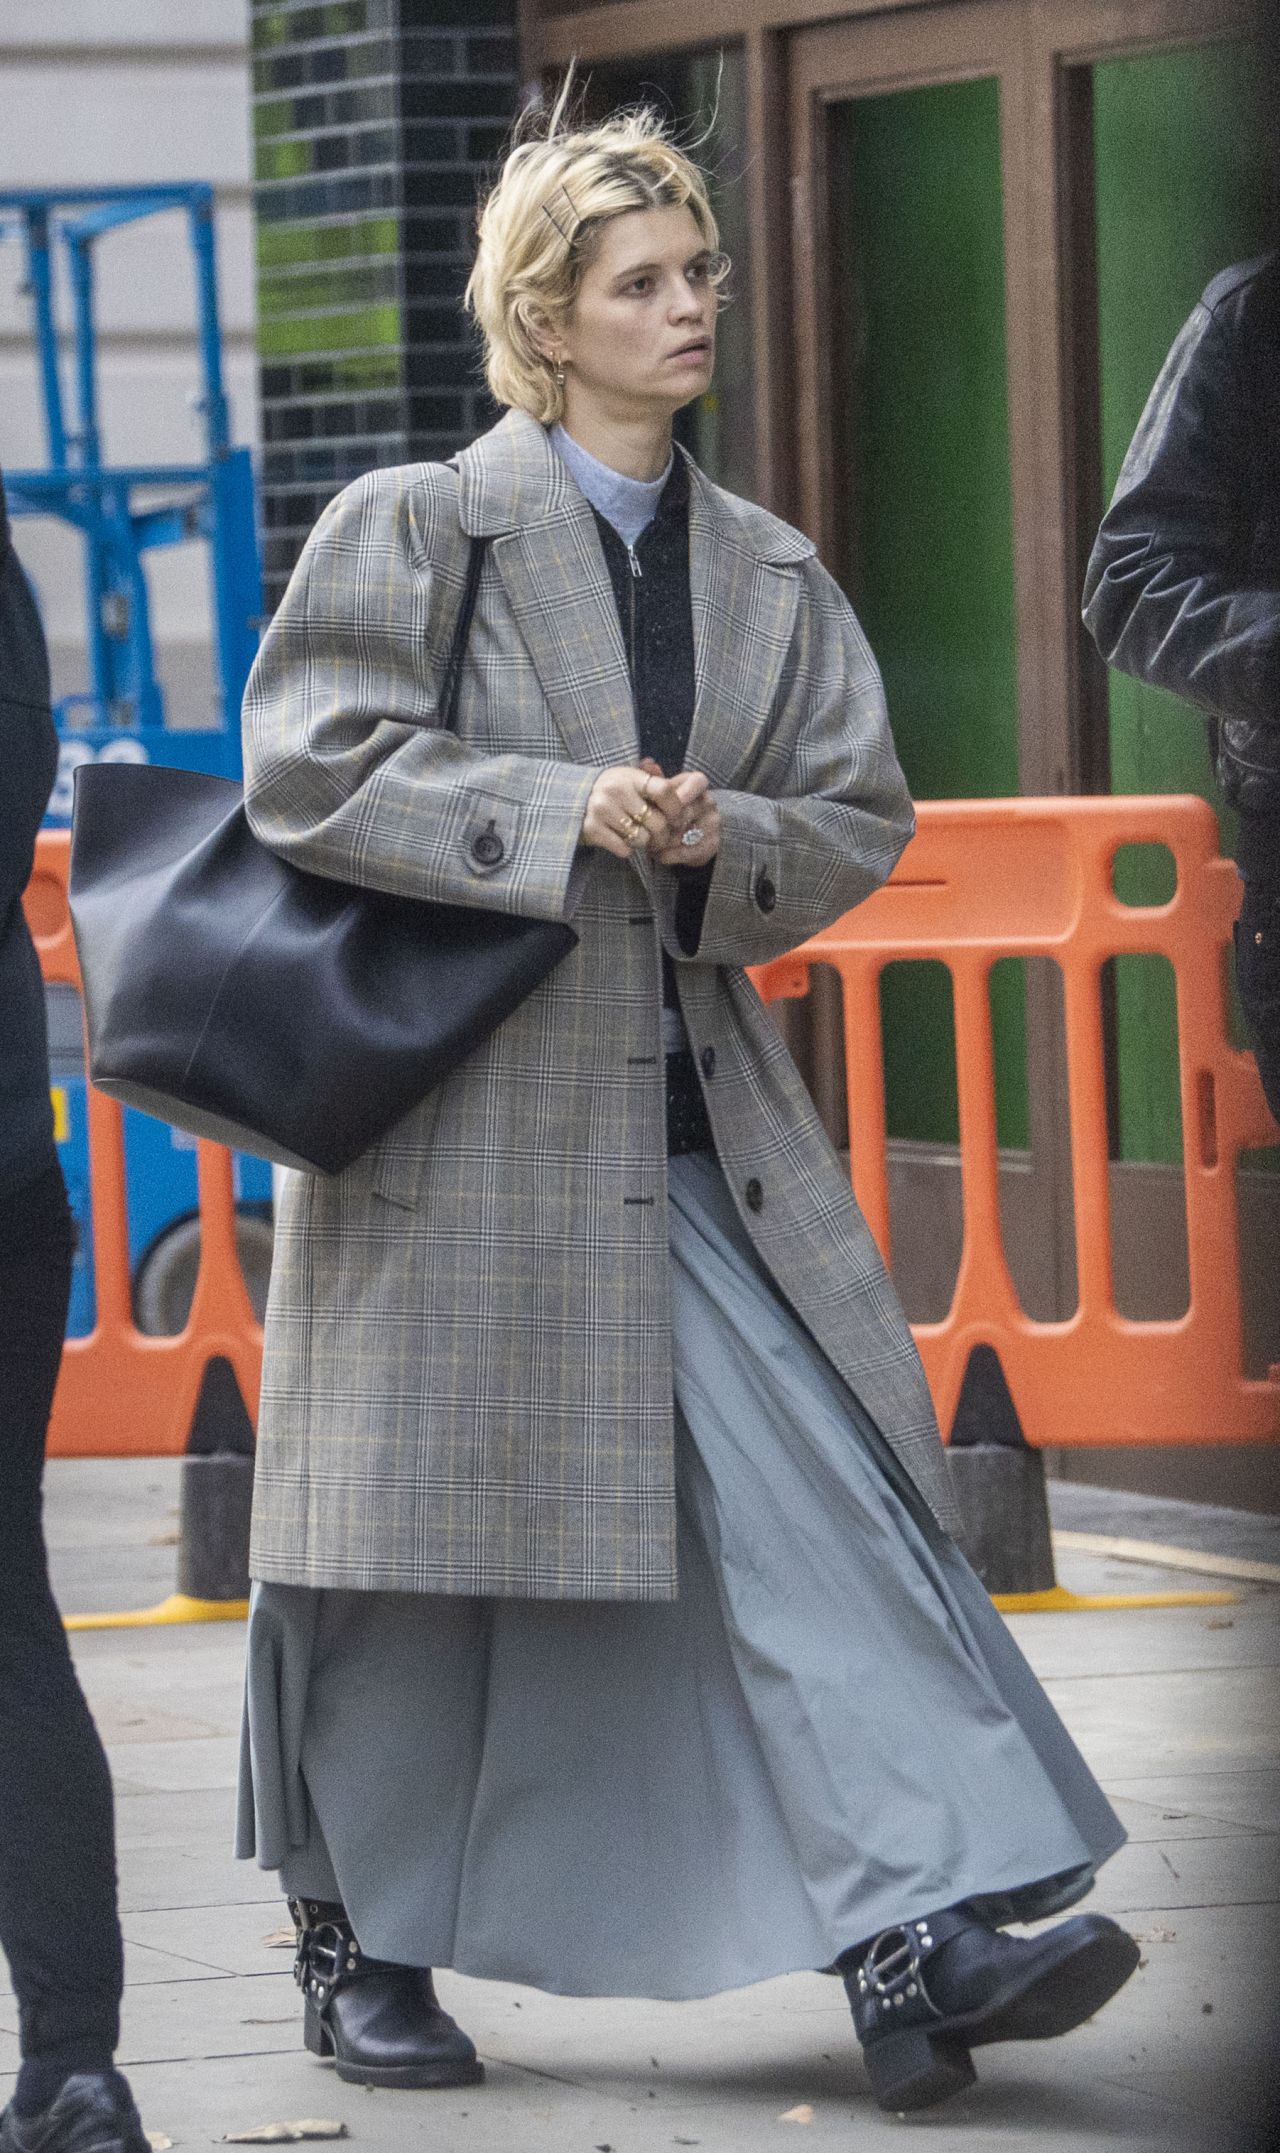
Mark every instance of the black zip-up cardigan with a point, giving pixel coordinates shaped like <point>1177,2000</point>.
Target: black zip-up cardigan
<point>655,608</point>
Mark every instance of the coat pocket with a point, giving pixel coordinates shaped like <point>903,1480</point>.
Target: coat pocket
<point>398,1160</point>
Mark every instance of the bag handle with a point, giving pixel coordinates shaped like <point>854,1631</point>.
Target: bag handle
<point>462,629</point>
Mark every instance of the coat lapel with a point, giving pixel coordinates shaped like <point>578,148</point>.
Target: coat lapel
<point>745,589</point>
<point>743,571</point>
<point>515,490</point>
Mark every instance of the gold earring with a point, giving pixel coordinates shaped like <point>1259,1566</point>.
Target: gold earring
<point>559,371</point>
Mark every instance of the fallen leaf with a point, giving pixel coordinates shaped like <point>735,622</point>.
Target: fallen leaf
<point>163,1540</point>
<point>286,2134</point>
<point>1154,1936</point>
<point>158,2142</point>
<point>802,2114</point>
<point>280,1939</point>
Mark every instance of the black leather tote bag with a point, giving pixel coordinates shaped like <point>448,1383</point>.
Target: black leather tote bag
<point>283,1013</point>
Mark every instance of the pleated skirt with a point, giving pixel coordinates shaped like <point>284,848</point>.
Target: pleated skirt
<point>831,1730</point>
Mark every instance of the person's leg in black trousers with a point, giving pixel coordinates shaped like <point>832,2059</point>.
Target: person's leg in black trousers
<point>58,1922</point>
<point>1258,978</point>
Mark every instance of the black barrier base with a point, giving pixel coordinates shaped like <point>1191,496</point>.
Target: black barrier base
<point>1005,1534</point>
<point>213,1545</point>
<point>999,1484</point>
<point>217,1492</point>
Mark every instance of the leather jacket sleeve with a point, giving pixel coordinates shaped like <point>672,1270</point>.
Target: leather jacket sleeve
<point>1176,592</point>
<point>28,742</point>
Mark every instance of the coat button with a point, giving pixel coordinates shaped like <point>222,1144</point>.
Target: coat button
<point>766,894</point>
<point>754,1195</point>
<point>708,1061</point>
<point>487,849</point>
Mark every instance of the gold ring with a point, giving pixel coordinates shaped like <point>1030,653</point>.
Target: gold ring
<point>629,826</point>
<point>643,815</point>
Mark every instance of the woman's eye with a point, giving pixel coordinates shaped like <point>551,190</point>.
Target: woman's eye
<point>641,284</point>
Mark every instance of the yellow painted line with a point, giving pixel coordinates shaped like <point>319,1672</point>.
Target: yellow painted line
<point>61,1114</point>
<point>1170,1558</point>
<point>177,1608</point>
<point>1058,1601</point>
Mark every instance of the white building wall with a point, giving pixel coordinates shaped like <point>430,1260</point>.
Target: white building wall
<point>96,92</point>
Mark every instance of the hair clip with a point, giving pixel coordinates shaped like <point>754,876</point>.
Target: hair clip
<point>547,211</point>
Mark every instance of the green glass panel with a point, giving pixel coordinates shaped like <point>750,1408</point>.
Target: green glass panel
<point>343,286</point>
<point>367,370</point>
<point>282,160</point>
<point>271,27</point>
<point>283,243</point>
<point>272,117</point>
<point>926,542</point>
<point>281,339</point>
<point>1179,197</point>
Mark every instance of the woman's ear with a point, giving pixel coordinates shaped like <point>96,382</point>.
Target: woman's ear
<point>542,333</point>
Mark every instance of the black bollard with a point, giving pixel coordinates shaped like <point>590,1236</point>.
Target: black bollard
<point>217,1491</point>
<point>999,1484</point>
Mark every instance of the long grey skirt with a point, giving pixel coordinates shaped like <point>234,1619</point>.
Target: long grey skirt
<point>830,1731</point>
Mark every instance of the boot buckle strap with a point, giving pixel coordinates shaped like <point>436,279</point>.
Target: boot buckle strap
<point>328,1955</point>
<point>891,1976</point>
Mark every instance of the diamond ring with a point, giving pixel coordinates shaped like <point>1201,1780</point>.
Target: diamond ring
<point>693,836</point>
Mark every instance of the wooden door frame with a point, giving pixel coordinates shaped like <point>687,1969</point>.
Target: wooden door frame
<point>835,65</point>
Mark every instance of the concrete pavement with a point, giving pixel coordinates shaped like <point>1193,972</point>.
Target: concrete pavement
<point>1176,1710</point>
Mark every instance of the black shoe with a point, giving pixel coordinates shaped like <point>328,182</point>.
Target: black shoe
<point>924,1994</point>
<point>380,2022</point>
<point>93,2113</point>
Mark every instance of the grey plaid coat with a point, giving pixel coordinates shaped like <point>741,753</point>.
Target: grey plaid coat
<point>467,1380</point>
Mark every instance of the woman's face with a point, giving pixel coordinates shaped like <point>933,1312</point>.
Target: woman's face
<point>642,333</point>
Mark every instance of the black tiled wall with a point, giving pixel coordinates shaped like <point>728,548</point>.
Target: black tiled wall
<point>375,125</point>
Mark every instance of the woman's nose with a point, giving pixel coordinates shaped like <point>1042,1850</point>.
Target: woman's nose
<point>685,304</point>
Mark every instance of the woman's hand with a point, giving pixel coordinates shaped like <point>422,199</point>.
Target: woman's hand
<point>631,810</point>
<point>698,811</point>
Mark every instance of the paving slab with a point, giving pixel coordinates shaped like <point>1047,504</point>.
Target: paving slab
<point>1246,1799</point>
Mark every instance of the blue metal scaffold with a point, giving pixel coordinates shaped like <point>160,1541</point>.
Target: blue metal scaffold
<point>125,511</point>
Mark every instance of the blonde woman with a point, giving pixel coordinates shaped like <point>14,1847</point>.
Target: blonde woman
<point>608,1635</point>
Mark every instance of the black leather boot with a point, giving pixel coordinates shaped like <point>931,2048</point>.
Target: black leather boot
<point>93,2113</point>
<point>380,2022</point>
<point>926,1993</point>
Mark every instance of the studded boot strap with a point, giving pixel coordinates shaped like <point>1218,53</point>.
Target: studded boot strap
<point>886,1980</point>
<point>328,1955</point>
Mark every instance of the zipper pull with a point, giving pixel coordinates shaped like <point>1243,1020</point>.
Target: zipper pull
<point>636,569</point>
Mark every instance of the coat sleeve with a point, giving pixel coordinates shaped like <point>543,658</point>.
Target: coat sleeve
<point>1168,592</point>
<point>830,817</point>
<point>347,772</point>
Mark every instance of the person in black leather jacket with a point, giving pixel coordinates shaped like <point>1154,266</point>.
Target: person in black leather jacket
<point>1183,585</point>
<point>58,1923</point>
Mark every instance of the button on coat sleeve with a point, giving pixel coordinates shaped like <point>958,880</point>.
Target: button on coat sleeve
<point>832,813</point>
<point>347,771</point>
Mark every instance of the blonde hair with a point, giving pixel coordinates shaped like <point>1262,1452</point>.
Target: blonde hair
<point>537,226</point>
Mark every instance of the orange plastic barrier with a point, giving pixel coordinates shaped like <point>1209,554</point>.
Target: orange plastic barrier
<point>121,1393</point>
<point>1033,878</point>
<point>981,880</point>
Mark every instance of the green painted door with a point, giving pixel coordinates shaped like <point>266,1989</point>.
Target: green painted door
<point>925,519</point>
